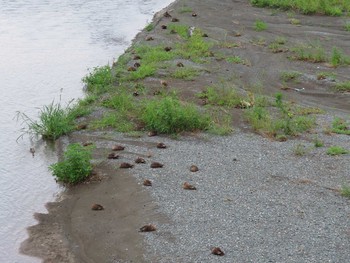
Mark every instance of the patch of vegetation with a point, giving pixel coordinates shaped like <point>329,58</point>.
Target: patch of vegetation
<point>222,122</point>
<point>336,150</point>
<point>299,149</point>
<point>306,110</point>
<point>152,54</point>
<point>99,80</point>
<point>195,47</point>
<point>169,115</point>
<point>328,7</point>
<point>142,72</point>
<point>345,190</point>
<point>340,126</point>
<point>235,60</point>
<point>185,73</point>
<point>121,101</point>
<point>75,167</point>
<point>317,142</point>
<point>221,95</point>
<point>311,52</point>
<point>54,120</point>
<point>227,44</point>
<point>120,121</point>
<point>281,123</point>
<point>260,25</point>
<point>325,75</point>
<point>185,9</point>
<point>294,21</point>
<point>277,45</point>
<point>149,27</point>
<point>181,30</point>
<point>338,58</point>
<point>290,75</point>
<point>343,86</point>
<point>347,26</point>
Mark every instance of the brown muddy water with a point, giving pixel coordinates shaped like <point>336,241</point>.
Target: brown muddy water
<point>46,48</point>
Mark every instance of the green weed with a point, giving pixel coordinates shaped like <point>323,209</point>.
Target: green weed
<point>221,96</point>
<point>290,75</point>
<point>142,72</point>
<point>325,75</point>
<point>299,150</point>
<point>75,167</point>
<point>336,150</point>
<point>149,27</point>
<point>181,30</point>
<point>347,26</point>
<point>317,142</point>
<point>338,58</point>
<point>53,122</point>
<point>260,25</point>
<point>340,126</point>
<point>185,73</point>
<point>343,86</point>
<point>345,190</point>
<point>312,53</point>
<point>235,59</point>
<point>117,120</point>
<point>169,115</point>
<point>99,80</point>
<point>329,7</point>
<point>122,101</point>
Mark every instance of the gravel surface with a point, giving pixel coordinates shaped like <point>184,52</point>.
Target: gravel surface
<point>255,199</point>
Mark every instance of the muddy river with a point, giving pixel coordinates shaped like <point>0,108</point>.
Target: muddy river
<point>46,48</point>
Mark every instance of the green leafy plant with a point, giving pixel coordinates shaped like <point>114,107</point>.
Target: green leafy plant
<point>75,167</point>
<point>338,58</point>
<point>336,150</point>
<point>317,142</point>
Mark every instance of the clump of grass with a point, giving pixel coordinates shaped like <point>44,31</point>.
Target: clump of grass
<point>325,75</point>
<point>281,123</point>
<point>99,80</point>
<point>185,73</point>
<point>221,96</point>
<point>290,75</point>
<point>329,7</point>
<point>260,25</point>
<point>222,122</point>
<point>121,101</point>
<point>235,59</point>
<point>142,72</point>
<point>299,149</point>
<point>276,45</point>
<point>340,126</point>
<point>195,47</point>
<point>343,86</point>
<point>54,121</point>
<point>317,142</point>
<point>75,167</point>
<point>169,115</point>
<point>312,53</point>
<point>152,54</point>
<point>181,30</point>
<point>347,26</point>
<point>119,121</point>
<point>345,190</point>
<point>294,21</point>
<point>338,58</point>
<point>149,27</point>
<point>336,150</point>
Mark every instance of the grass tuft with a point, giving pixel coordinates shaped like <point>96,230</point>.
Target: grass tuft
<point>260,25</point>
<point>99,80</point>
<point>169,115</point>
<point>75,167</point>
<point>336,150</point>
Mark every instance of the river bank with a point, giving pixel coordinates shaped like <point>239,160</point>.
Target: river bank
<point>257,198</point>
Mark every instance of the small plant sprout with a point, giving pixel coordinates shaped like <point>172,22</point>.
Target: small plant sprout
<point>260,25</point>
<point>345,190</point>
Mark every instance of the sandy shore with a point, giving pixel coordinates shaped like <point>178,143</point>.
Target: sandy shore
<point>255,198</point>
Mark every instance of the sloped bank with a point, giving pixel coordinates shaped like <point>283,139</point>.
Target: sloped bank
<point>255,198</point>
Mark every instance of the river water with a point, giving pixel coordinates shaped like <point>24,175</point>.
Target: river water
<point>46,48</point>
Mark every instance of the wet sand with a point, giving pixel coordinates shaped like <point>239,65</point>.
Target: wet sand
<point>72,232</point>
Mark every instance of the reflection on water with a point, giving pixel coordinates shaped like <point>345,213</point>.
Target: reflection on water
<point>46,47</point>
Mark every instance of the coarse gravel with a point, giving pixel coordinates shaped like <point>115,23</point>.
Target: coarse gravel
<point>255,199</point>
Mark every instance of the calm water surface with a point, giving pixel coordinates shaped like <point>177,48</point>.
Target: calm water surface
<point>46,48</point>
